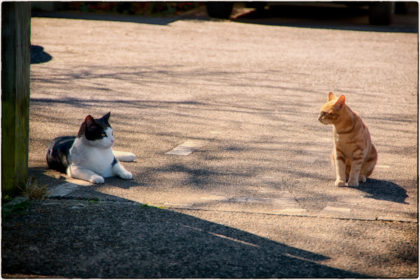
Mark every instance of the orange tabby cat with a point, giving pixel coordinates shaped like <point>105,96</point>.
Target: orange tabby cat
<point>354,155</point>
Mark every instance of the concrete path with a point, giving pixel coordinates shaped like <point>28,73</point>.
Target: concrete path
<point>223,119</point>
<point>245,99</point>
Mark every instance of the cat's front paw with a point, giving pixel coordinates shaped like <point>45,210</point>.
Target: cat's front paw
<point>126,175</point>
<point>353,183</point>
<point>96,179</point>
<point>340,183</point>
<point>362,179</point>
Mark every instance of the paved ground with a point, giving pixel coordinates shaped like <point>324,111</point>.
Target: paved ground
<point>256,196</point>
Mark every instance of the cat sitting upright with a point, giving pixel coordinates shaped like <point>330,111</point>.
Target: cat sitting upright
<point>89,156</point>
<point>354,155</point>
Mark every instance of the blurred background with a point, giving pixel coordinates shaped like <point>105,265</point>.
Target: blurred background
<point>396,15</point>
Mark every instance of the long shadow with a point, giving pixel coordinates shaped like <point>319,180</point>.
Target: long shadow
<point>102,239</point>
<point>106,17</point>
<point>383,190</point>
<point>42,178</point>
<point>314,15</point>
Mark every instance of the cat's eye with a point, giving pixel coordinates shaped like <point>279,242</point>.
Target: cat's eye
<point>103,134</point>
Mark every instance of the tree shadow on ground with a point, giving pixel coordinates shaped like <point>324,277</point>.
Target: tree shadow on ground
<point>80,238</point>
<point>383,190</point>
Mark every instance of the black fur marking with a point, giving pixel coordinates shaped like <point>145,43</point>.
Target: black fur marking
<point>94,129</point>
<point>105,119</point>
<point>58,152</point>
<point>114,162</point>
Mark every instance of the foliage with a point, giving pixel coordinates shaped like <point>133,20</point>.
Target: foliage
<point>134,8</point>
<point>34,190</point>
<point>17,205</point>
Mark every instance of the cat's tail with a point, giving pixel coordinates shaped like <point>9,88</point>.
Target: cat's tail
<point>124,156</point>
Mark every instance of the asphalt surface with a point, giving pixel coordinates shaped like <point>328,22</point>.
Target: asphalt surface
<point>253,193</point>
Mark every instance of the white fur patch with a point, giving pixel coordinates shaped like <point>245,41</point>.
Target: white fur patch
<point>124,156</point>
<point>96,156</point>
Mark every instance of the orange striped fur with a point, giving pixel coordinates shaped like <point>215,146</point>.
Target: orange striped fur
<point>354,156</point>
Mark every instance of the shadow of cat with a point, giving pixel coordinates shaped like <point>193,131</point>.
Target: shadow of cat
<point>52,178</point>
<point>383,190</point>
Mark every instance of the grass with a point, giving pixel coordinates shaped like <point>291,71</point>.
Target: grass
<point>93,200</point>
<point>18,205</point>
<point>33,190</point>
<point>143,205</point>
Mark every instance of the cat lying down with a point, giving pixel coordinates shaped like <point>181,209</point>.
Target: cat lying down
<point>89,156</point>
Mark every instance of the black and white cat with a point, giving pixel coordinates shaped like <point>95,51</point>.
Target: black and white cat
<point>89,156</point>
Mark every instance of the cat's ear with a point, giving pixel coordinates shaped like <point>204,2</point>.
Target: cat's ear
<point>89,119</point>
<point>331,96</point>
<point>340,102</point>
<point>106,116</point>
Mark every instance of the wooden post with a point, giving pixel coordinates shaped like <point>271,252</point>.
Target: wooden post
<point>15,62</point>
